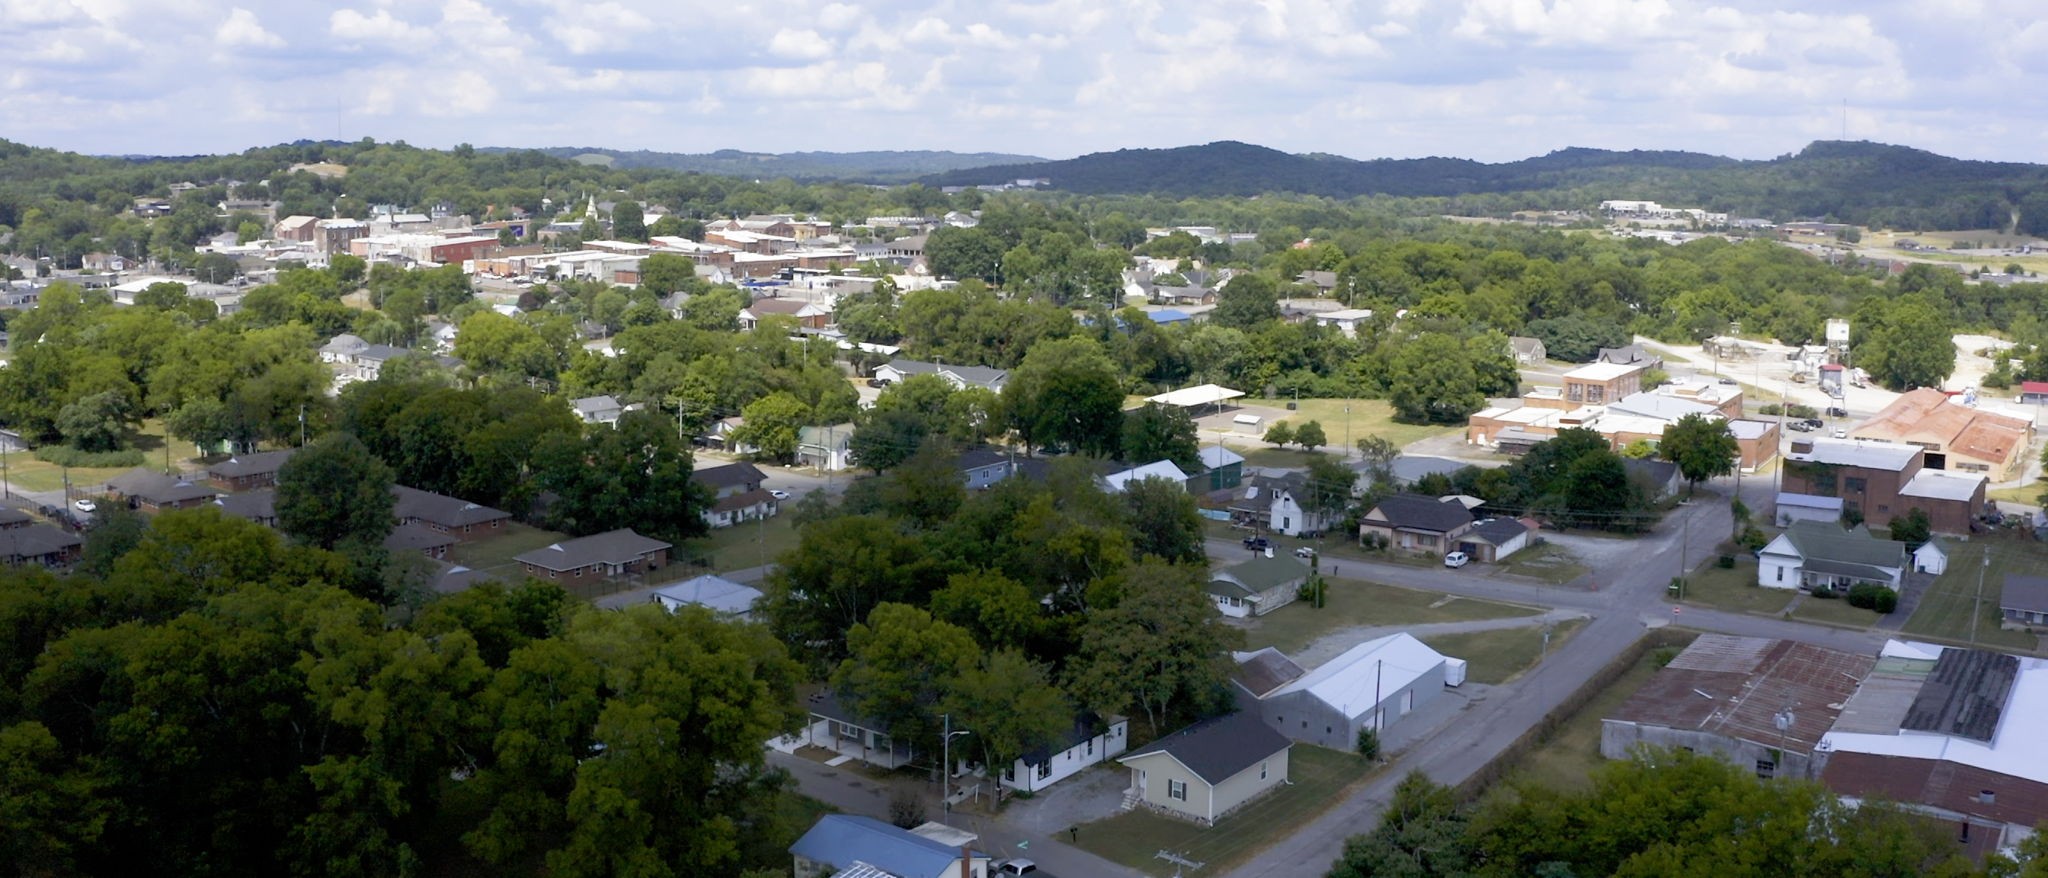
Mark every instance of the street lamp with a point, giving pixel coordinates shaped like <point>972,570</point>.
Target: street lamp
<point>946,770</point>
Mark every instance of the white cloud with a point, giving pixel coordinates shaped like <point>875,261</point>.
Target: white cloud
<point>242,29</point>
<point>802,45</point>
<point>382,29</point>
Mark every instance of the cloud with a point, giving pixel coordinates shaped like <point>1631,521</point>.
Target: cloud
<point>802,45</point>
<point>381,29</point>
<point>242,29</point>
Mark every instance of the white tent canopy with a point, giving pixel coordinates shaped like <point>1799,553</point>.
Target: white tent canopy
<point>1190,397</point>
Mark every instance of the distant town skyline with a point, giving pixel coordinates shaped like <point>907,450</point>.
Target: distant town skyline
<point>1495,80</point>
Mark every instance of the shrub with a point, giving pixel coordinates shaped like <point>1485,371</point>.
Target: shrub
<point>65,455</point>
<point>1726,562</point>
<point>1871,596</point>
<point>906,809</point>
<point>1369,743</point>
<point>1826,594</point>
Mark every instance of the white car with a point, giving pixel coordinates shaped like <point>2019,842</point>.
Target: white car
<point>1457,559</point>
<point>779,494</point>
<point>1016,866</point>
<point>1305,552</point>
<point>85,504</point>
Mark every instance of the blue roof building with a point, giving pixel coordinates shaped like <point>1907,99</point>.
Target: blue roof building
<point>838,841</point>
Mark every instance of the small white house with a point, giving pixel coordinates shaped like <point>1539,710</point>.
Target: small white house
<point>1931,558</point>
<point>1091,741</point>
<point>1818,555</point>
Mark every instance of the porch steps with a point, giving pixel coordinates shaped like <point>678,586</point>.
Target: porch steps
<point>837,761</point>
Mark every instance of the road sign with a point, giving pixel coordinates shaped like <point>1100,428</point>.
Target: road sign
<point>1674,611</point>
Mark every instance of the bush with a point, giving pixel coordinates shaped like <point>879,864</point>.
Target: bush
<point>65,455</point>
<point>1826,594</point>
<point>1871,596</point>
<point>1793,410</point>
<point>906,809</point>
<point>1726,562</point>
<point>1753,539</point>
<point>1369,743</point>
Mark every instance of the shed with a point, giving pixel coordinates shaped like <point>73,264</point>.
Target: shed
<point>1807,507</point>
<point>1931,558</point>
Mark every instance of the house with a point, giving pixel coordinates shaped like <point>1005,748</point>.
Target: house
<point>417,538</point>
<point>1807,507</point>
<point>1758,703</point>
<point>736,494</point>
<point>1953,436</point>
<point>835,727</point>
<point>1659,479</point>
<point>1879,480</point>
<point>825,448</point>
<point>1222,469</point>
<point>39,544</point>
<point>1275,502</point>
<point>982,467</point>
<point>1951,733</point>
<point>847,842</point>
<point>808,315</point>
<point>1257,587</point>
<point>454,516</point>
<point>1091,740</point>
<point>1822,555</point>
<point>1931,558</point>
<point>1323,281</point>
<point>1415,523</point>
<point>1602,382</point>
<point>2033,392</point>
<point>961,377</point>
<point>1527,351</point>
<point>601,409</point>
<point>1409,468</point>
<point>259,506</point>
<point>11,518</point>
<point>1208,770</point>
<point>1116,482</point>
<point>152,491</point>
<point>1493,540</point>
<point>354,359</point>
<point>2023,603</point>
<point>723,597</point>
<point>1372,685</point>
<point>1345,320</point>
<point>243,472</point>
<point>721,435</point>
<point>614,554</point>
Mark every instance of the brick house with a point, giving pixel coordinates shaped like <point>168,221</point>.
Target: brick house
<point>244,472</point>
<point>454,516</point>
<point>609,555</point>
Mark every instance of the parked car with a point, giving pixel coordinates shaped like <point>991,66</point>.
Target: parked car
<point>779,494</point>
<point>1814,423</point>
<point>877,383</point>
<point>1457,559</point>
<point>1800,426</point>
<point>1841,433</point>
<point>1016,866</point>
<point>1727,381</point>
<point>85,504</point>
<point>1257,544</point>
<point>1835,411</point>
<point>1305,553</point>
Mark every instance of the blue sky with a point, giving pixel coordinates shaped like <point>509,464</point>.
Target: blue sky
<point>1488,79</point>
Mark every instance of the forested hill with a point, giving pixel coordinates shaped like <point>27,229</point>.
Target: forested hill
<point>1861,182</point>
<point>884,166</point>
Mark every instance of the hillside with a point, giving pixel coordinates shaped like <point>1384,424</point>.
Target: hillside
<point>1869,183</point>
<point>884,166</point>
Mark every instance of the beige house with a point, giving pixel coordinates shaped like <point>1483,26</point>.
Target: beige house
<point>1209,769</point>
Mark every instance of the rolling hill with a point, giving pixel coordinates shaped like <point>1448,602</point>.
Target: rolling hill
<point>885,166</point>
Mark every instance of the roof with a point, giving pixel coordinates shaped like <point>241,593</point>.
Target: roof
<point>977,375</point>
<point>1158,469</point>
<point>259,505</point>
<point>2024,593</point>
<point>1410,467</point>
<point>36,540</point>
<point>1352,682</point>
<point>441,509</point>
<point>840,840</point>
<point>249,464</point>
<point>1810,501</point>
<point>10,516</point>
<point>1498,531</point>
<point>2034,387</point>
<point>1881,706</point>
<point>1657,472</point>
<point>1417,512</point>
<point>729,475</point>
<point>1934,484</point>
<point>1929,415</point>
<point>1525,344</point>
<point>1204,394</point>
<point>1265,670</point>
<point>1964,695</point>
<point>1084,726</point>
<point>1626,354</point>
<point>591,405</point>
<point>976,458</point>
<point>620,546</point>
<point>742,500</point>
<point>1850,552</point>
<point>1663,406</point>
<point>1747,428</point>
<point>1738,687</point>
<point>1603,371</point>
<point>415,537</point>
<point>1888,456</point>
<point>1218,457</point>
<point>1217,748</point>
<point>715,592</point>
<point>1263,573</point>
<point>155,488</point>
<point>457,577</point>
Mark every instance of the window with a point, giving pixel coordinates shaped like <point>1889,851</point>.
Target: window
<point>1176,790</point>
<point>1854,485</point>
<point>1045,769</point>
<point>1766,768</point>
<point>1986,797</point>
<point>1091,746</point>
<point>1262,771</point>
<point>1781,574</point>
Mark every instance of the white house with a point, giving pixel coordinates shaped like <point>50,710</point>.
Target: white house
<point>825,448</point>
<point>723,597</point>
<point>601,409</point>
<point>1371,685</point>
<point>1274,502</point>
<point>1114,483</point>
<point>1091,741</point>
<point>1930,558</point>
<point>1821,555</point>
<point>961,377</point>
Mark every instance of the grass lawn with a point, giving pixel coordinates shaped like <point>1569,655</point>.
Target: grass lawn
<point>1319,775</point>
<point>1548,563</point>
<point>1256,454</point>
<point>1353,604</point>
<point>1566,761</point>
<point>1946,610</point>
<point>1369,417</point>
<point>1835,612</point>
<point>2025,495</point>
<point>1734,589</point>
<point>29,474</point>
<point>749,544</point>
<point>495,554</point>
<point>1499,656</point>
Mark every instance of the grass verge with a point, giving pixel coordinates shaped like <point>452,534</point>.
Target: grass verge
<point>1955,598</point>
<point>1496,657</point>
<point>1356,604</point>
<point>1734,589</point>
<point>1565,761</point>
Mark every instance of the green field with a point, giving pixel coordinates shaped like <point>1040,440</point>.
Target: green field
<point>1946,610</point>
<point>1734,589</point>
<point>1496,657</point>
<point>1356,604</point>
<point>29,474</point>
<point>494,555</point>
<point>1318,778</point>
<point>1834,612</point>
<point>749,544</point>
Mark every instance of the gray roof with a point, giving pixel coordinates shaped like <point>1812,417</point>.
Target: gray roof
<point>1659,405</point>
<point>156,488</point>
<point>729,475</point>
<point>440,509</point>
<point>1217,748</point>
<point>977,375</point>
<point>36,540</point>
<point>1262,573</point>
<point>712,591</point>
<point>1218,457</point>
<point>1410,467</point>
<point>10,516</point>
<point>1656,472</point>
<point>415,538</point>
<point>1418,512</point>
<point>1965,694</point>
<point>1498,531</point>
<point>1626,355</point>
<point>1938,485</point>
<point>1809,501</point>
<point>591,405</point>
<point>840,840</point>
<point>249,464</point>
<point>976,458</point>
<point>1826,546</point>
<point>2028,593</point>
<point>457,577</point>
<point>1265,670</point>
<point>1888,456</point>
<point>257,506</point>
<point>620,546</point>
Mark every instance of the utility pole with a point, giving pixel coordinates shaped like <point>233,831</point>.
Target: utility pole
<point>1976,603</point>
<point>946,770</point>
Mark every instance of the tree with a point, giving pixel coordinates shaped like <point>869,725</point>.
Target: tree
<point>1280,433</point>
<point>664,273</point>
<point>901,667</point>
<point>840,570</point>
<point>94,423</point>
<point>1164,522</point>
<point>1155,432</point>
<point>629,222</point>
<point>772,424</point>
<point>1914,528</point>
<point>1600,493</point>
<point>1432,381</point>
<point>1330,483</point>
<point>1702,447</point>
<point>1904,342</point>
<point>636,474</point>
<point>1007,701</point>
<point>1067,395</point>
<point>1378,453</point>
<point>963,253</point>
<point>1247,301</point>
<point>1422,834</point>
<point>333,492</point>
<point>1162,647</point>
<point>1310,436</point>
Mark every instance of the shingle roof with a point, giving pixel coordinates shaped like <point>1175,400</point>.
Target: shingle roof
<point>620,546</point>
<point>249,464</point>
<point>10,516</point>
<point>1217,748</point>
<point>976,458</point>
<point>35,541</point>
<point>1965,694</point>
<point>1498,531</point>
<point>728,475</point>
<point>978,375</point>
<point>1262,573</point>
<point>840,840</point>
<point>711,591</point>
<point>1827,542</point>
<point>1418,512</point>
<point>258,506</point>
<point>440,509</point>
<point>155,488</point>
<point>414,537</point>
<point>2024,593</point>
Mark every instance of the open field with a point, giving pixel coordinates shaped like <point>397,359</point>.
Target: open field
<point>1734,590</point>
<point>29,474</point>
<point>1566,761</point>
<point>1549,563</point>
<point>1496,657</point>
<point>1355,604</point>
<point>1955,598</point>
<point>1319,776</point>
<point>750,544</point>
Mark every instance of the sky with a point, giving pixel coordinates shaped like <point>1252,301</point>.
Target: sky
<point>1495,80</point>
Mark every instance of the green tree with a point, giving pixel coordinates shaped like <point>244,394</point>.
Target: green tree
<point>772,424</point>
<point>1155,432</point>
<point>1422,833</point>
<point>1914,528</point>
<point>1008,703</point>
<point>901,667</point>
<point>1280,433</point>
<point>1432,381</point>
<point>629,222</point>
<point>1330,484</point>
<point>964,253</point>
<point>1904,343</point>
<point>1164,522</point>
<point>1161,647</point>
<point>94,423</point>
<point>1702,447</point>
<point>635,474</point>
<point>1067,395</point>
<point>1310,436</point>
<point>333,492</point>
<point>664,273</point>
<point>1246,301</point>
<point>840,570</point>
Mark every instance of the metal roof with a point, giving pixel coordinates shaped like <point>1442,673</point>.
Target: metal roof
<point>1964,695</point>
